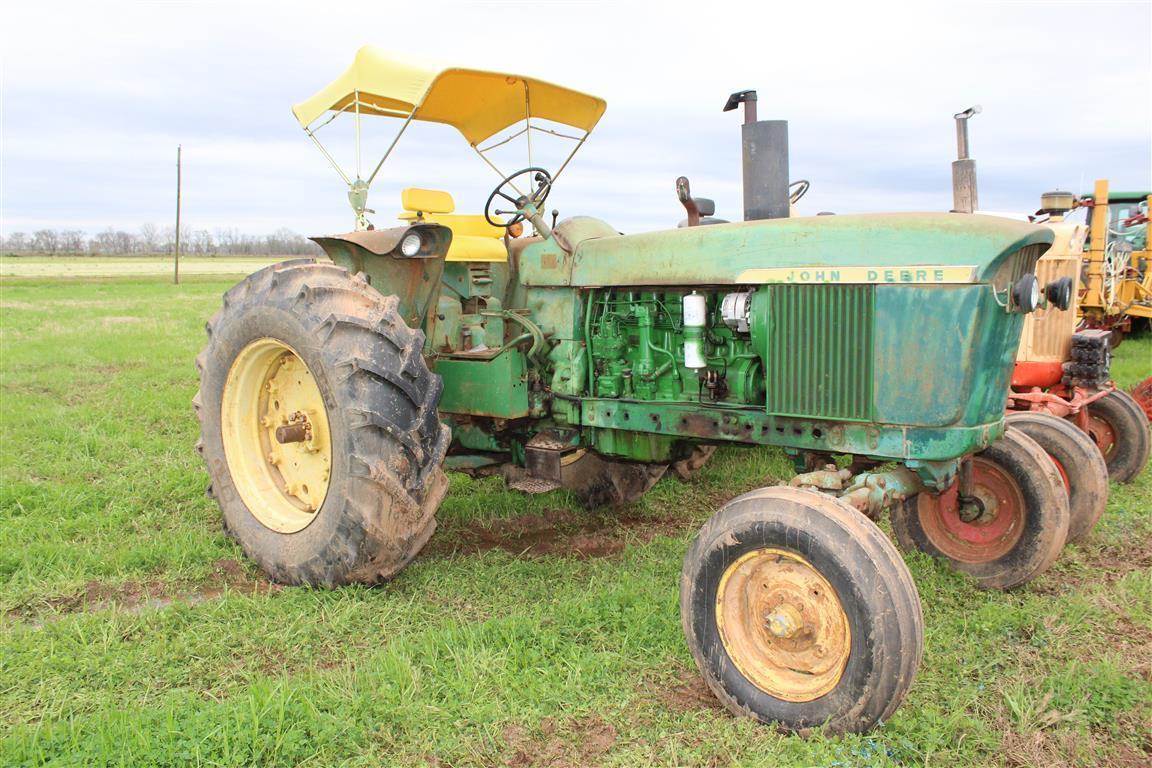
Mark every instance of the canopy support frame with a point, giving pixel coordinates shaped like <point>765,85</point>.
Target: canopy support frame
<point>358,189</point>
<point>528,129</point>
<point>528,121</point>
<point>331,160</point>
<point>356,100</point>
<point>387,152</point>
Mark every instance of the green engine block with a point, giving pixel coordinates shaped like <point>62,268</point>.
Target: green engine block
<point>638,341</point>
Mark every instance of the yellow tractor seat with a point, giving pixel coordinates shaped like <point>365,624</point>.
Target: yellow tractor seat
<point>473,238</point>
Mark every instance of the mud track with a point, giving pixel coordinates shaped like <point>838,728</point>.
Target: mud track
<point>557,532</point>
<point>138,596</point>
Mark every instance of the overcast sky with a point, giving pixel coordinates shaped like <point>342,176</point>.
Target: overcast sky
<point>96,96</point>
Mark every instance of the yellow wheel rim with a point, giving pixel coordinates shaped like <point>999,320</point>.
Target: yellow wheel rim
<point>783,625</point>
<point>276,436</point>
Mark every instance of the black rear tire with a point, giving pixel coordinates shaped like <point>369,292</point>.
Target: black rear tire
<point>1120,429</point>
<point>689,466</point>
<point>1081,466</point>
<point>872,587</point>
<point>387,442</point>
<point>597,481</point>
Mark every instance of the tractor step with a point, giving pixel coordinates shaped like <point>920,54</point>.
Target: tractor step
<point>544,453</point>
<point>527,484</point>
<point>543,458</point>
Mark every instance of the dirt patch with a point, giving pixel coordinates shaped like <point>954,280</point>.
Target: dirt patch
<point>1117,562</point>
<point>677,688</point>
<point>587,741</point>
<point>133,596</point>
<point>1131,639</point>
<point>1053,750</point>
<point>686,693</point>
<point>1130,757</point>
<point>1068,749</point>
<point>1049,738</point>
<point>578,742</point>
<point>272,662</point>
<point>112,369</point>
<point>1100,564</point>
<point>556,532</point>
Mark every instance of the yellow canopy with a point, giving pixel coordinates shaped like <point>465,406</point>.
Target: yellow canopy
<point>478,104</point>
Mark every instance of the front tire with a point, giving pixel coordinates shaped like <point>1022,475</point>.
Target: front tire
<point>1120,429</point>
<point>799,611</point>
<point>318,425</point>
<point>1019,523</point>
<point>1082,469</point>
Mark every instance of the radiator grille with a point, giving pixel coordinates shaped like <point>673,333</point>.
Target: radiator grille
<point>1025,262</point>
<point>1047,335</point>
<point>820,351</point>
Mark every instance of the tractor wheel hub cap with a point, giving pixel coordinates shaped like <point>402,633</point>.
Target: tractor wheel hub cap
<point>783,625</point>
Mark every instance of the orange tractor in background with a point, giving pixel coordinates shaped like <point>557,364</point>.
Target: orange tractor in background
<point>1062,368</point>
<point>1061,393</point>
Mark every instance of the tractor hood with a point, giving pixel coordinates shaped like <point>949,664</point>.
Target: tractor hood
<point>873,248</point>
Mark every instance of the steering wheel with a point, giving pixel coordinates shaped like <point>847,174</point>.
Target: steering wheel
<point>794,197</point>
<point>540,184</point>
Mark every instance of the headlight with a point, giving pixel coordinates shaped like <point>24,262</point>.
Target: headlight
<point>1026,294</point>
<point>411,244</point>
<point>1059,293</point>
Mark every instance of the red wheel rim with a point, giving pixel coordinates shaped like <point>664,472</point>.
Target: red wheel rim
<point>1142,394</point>
<point>1063,474</point>
<point>990,536</point>
<point>1102,434</point>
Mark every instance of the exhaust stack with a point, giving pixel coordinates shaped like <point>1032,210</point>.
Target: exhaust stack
<point>964,198</point>
<point>765,161</point>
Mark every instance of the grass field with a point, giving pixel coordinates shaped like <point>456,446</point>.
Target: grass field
<point>529,633</point>
<point>66,267</point>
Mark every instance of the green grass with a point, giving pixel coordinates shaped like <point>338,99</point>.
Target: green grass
<point>89,267</point>
<point>135,633</point>
<point>1133,361</point>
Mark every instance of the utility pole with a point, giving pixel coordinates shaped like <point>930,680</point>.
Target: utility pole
<point>176,279</point>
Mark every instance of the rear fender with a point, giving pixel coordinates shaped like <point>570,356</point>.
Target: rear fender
<point>413,280</point>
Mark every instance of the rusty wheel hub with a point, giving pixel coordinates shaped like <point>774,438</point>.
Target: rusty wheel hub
<point>783,625</point>
<point>982,527</point>
<point>1102,434</point>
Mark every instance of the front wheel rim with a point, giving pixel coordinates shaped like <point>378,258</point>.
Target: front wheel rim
<point>783,625</point>
<point>1102,433</point>
<point>990,536</point>
<point>282,478</point>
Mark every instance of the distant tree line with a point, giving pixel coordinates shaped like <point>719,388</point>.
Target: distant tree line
<point>153,240</point>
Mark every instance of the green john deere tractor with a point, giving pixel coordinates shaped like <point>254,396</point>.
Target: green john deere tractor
<point>332,395</point>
